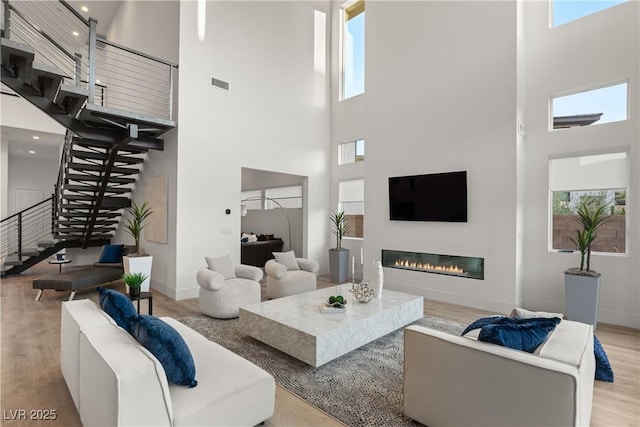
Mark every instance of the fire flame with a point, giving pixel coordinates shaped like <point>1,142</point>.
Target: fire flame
<point>428,267</point>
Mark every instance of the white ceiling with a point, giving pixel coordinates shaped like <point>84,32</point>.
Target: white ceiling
<point>102,10</point>
<point>21,141</point>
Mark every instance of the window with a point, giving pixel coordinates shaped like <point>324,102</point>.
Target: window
<point>351,152</point>
<point>288,197</point>
<point>256,200</point>
<point>569,10</point>
<point>353,49</point>
<point>604,105</point>
<point>597,179</point>
<point>351,201</point>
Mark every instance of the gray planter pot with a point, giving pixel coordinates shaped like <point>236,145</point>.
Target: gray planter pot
<point>581,298</point>
<point>339,265</point>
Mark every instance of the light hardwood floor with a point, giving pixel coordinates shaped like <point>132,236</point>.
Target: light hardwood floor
<point>31,377</point>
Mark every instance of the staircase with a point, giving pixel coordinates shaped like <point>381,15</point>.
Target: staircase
<point>115,102</point>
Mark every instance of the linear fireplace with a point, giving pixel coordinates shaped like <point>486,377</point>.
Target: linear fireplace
<point>451,265</point>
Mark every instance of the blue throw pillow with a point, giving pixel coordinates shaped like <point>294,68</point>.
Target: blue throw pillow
<point>118,306</point>
<point>168,346</point>
<point>111,253</point>
<point>603,367</point>
<point>519,334</point>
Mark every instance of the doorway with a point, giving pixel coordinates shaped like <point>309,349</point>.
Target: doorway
<point>274,203</point>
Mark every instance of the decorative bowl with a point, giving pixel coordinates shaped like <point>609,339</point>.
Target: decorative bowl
<point>336,304</point>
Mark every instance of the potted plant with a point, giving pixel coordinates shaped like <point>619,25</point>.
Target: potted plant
<point>339,256</point>
<point>134,282</point>
<point>582,285</point>
<point>137,262</point>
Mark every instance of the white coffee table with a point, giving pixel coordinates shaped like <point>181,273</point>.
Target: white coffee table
<point>295,325</point>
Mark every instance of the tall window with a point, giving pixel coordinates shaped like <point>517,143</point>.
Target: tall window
<point>351,201</point>
<point>569,10</point>
<point>599,179</point>
<point>351,152</point>
<point>353,49</point>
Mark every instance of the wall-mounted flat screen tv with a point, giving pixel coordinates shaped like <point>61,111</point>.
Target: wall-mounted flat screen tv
<point>432,197</point>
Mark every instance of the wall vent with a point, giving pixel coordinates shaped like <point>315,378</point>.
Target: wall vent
<point>219,84</point>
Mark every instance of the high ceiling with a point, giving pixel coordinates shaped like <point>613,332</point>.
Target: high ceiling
<point>102,10</point>
<point>21,141</point>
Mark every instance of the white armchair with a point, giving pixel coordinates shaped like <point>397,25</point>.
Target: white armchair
<point>283,281</point>
<point>223,293</point>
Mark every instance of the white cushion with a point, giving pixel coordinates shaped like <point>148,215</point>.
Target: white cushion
<point>226,384</point>
<point>121,383</point>
<point>288,259</point>
<point>521,313</point>
<point>222,265</point>
<point>76,317</point>
<point>567,343</point>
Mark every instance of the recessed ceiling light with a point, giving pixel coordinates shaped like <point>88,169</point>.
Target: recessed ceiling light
<point>32,152</point>
<point>75,33</point>
<point>36,137</point>
<point>84,9</point>
<point>97,80</point>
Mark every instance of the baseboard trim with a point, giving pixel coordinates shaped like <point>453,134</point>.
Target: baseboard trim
<point>611,317</point>
<point>466,300</point>
<point>187,293</point>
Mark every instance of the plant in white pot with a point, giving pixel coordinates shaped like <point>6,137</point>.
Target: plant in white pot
<point>137,262</point>
<point>339,256</point>
<point>582,285</point>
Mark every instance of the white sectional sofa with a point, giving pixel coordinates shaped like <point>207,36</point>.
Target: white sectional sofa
<point>459,381</point>
<point>114,381</point>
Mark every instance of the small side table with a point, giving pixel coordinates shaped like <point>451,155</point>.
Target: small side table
<point>144,295</point>
<point>59,263</point>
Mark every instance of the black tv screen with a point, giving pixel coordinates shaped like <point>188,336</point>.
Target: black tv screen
<point>432,197</point>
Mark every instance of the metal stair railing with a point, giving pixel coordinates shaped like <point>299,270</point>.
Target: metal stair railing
<point>26,228</point>
<point>56,32</point>
<point>59,188</point>
<point>115,76</point>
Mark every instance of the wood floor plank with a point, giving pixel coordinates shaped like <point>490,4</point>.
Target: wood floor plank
<point>30,358</point>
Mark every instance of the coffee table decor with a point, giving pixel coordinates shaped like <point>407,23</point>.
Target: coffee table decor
<point>295,326</point>
<point>335,304</point>
<point>364,293</point>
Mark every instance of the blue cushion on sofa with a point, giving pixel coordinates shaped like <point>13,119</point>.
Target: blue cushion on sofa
<point>519,334</point>
<point>111,253</point>
<point>168,346</point>
<point>118,306</point>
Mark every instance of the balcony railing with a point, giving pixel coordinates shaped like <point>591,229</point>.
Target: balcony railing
<point>115,76</point>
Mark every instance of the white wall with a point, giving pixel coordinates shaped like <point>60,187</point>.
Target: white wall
<point>597,49</point>
<point>20,113</point>
<point>151,27</point>
<point>347,124</point>
<point>441,96</point>
<point>30,174</point>
<point>275,117</point>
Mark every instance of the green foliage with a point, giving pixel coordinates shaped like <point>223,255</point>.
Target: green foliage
<point>137,221</point>
<point>590,217</point>
<point>134,280</point>
<point>561,204</point>
<point>339,226</point>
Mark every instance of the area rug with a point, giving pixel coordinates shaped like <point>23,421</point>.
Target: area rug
<point>361,388</point>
